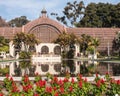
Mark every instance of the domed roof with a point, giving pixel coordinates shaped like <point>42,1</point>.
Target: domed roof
<point>43,21</point>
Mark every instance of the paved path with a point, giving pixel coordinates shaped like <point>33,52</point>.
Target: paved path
<point>32,78</point>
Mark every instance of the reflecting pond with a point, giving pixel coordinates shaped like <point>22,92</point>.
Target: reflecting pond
<point>87,68</point>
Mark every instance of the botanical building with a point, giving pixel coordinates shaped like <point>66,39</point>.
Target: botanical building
<point>47,30</point>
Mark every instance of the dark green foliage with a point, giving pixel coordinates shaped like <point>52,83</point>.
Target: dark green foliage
<point>93,15</point>
<point>25,55</point>
<point>4,43</point>
<point>25,42</point>
<point>101,15</point>
<point>116,44</point>
<point>72,12</point>
<point>18,22</point>
<point>70,54</point>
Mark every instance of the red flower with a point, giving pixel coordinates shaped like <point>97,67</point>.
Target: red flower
<point>98,83</point>
<point>56,94</point>
<point>60,82</point>
<point>26,79</point>
<point>41,83</point>
<point>54,88</point>
<point>80,76</point>
<point>11,79</point>
<point>65,80</point>
<point>7,75</point>
<point>36,94</point>
<point>118,82</point>
<point>85,80</point>
<point>15,89</point>
<point>70,88</point>
<point>72,80</point>
<point>80,84</point>
<point>48,89</point>
<point>107,73</point>
<point>112,80</point>
<point>1,94</point>
<point>102,81</point>
<point>96,74</point>
<point>55,79</point>
<point>61,89</point>
<point>27,87</point>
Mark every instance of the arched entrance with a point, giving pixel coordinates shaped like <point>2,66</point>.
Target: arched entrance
<point>57,50</point>
<point>44,50</point>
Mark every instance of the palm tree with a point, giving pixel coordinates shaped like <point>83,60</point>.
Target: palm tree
<point>73,39</point>
<point>66,41</point>
<point>18,40</point>
<point>95,42</point>
<point>116,43</point>
<point>24,40</point>
<point>84,42</point>
<point>31,41</point>
<point>63,40</point>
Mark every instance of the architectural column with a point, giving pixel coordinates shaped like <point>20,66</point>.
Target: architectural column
<point>11,49</point>
<point>77,49</point>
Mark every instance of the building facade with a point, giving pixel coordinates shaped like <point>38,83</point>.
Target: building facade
<point>47,30</point>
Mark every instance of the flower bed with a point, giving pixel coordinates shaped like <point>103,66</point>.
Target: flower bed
<point>55,87</point>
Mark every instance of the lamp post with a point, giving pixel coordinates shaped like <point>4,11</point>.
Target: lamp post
<point>108,49</point>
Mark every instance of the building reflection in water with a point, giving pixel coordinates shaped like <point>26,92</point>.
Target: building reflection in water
<point>87,68</point>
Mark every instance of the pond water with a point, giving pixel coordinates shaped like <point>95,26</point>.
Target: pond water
<point>87,68</point>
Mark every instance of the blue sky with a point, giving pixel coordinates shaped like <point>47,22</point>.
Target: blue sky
<point>10,9</point>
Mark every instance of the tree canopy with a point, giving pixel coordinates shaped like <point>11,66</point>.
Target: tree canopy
<point>101,15</point>
<point>116,43</point>
<point>24,42</point>
<point>93,15</point>
<point>3,23</point>
<point>72,13</point>
<point>4,44</point>
<point>18,21</point>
